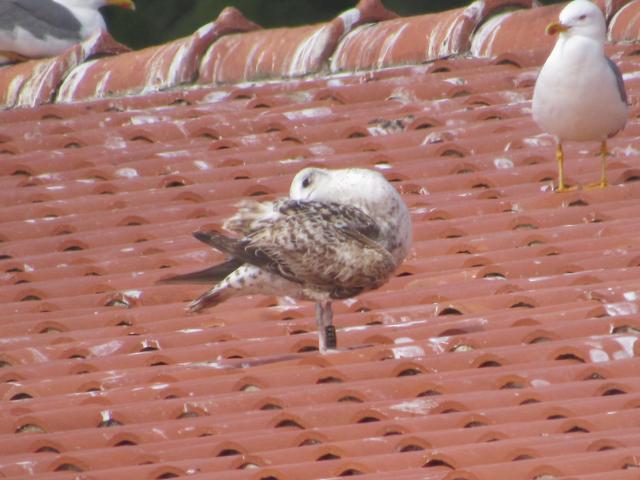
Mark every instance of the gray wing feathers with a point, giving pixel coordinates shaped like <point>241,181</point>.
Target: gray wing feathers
<point>40,18</point>
<point>619,80</point>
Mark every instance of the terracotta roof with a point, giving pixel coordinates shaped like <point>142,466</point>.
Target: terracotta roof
<point>505,347</point>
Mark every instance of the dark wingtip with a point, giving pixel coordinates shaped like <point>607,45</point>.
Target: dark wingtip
<point>204,237</point>
<point>206,276</point>
<point>218,241</point>
<point>208,299</point>
<point>166,280</point>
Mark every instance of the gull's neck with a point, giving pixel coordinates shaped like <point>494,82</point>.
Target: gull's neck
<point>577,48</point>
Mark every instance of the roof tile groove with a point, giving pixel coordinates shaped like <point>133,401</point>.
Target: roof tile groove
<point>505,346</point>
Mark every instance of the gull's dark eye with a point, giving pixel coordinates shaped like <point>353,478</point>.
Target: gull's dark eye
<point>582,17</point>
<point>306,182</point>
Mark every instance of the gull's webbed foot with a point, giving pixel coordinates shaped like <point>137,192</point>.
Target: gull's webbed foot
<point>563,188</point>
<point>601,184</point>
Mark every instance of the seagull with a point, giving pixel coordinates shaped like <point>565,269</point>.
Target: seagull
<point>580,95</point>
<point>338,234</point>
<point>45,28</point>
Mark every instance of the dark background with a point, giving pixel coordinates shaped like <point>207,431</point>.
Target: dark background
<point>158,21</point>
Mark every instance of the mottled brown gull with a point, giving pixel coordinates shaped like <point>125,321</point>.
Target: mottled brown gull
<point>340,233</point>
<point>580,95</point>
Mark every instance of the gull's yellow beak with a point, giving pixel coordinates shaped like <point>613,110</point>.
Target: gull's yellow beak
<point>128,4</point>
<point>556,27</point>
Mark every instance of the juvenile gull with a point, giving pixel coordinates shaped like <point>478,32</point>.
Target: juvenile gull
<point>44,28</point>
<point>340,233</point>
<point>580,95</point>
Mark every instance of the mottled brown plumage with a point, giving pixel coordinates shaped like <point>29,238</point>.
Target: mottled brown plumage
<point>321,246</point>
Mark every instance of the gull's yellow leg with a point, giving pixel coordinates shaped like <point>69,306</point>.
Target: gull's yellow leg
<point>560,158</point>
<point>604,153</point>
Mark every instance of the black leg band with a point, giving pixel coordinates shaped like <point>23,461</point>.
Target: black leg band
<point>331,336</point>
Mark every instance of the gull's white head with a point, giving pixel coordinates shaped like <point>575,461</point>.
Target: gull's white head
<point>365,189</point>
<point>350,186</point>
<point>580,18</point>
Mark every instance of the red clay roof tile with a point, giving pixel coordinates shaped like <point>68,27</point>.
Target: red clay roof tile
<point>36,82</point>
<point>624,24</point>
<point>505,346</point>
<point>283,52</point>
<point>403,41</point>
<point>153,68</point>
<point>515,31</point>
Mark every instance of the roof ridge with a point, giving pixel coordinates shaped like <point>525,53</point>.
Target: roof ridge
<point>232,50</point>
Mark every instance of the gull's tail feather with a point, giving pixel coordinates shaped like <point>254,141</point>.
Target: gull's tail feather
<point>210,298</point>
<point>234,247</point>
<point>217,272</point>
<point>219,241</point>
<point>207,276</point>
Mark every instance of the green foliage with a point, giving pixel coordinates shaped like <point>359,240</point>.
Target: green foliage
<point>158,21</point>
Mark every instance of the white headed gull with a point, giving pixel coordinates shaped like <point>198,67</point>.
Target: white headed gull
<point>580,95</point>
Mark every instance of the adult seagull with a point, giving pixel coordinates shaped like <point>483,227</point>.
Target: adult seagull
<point>45,28</point>
<point>580,95</point>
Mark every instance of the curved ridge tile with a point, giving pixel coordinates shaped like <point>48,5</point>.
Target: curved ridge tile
<point>411,40</point>
<point>153,68</point>
<point>515,31</point>
<point>611,7</point>
<point>523,30</point>
<point>625,23</point>
<point>36,82</point>
<point>283,52</point>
